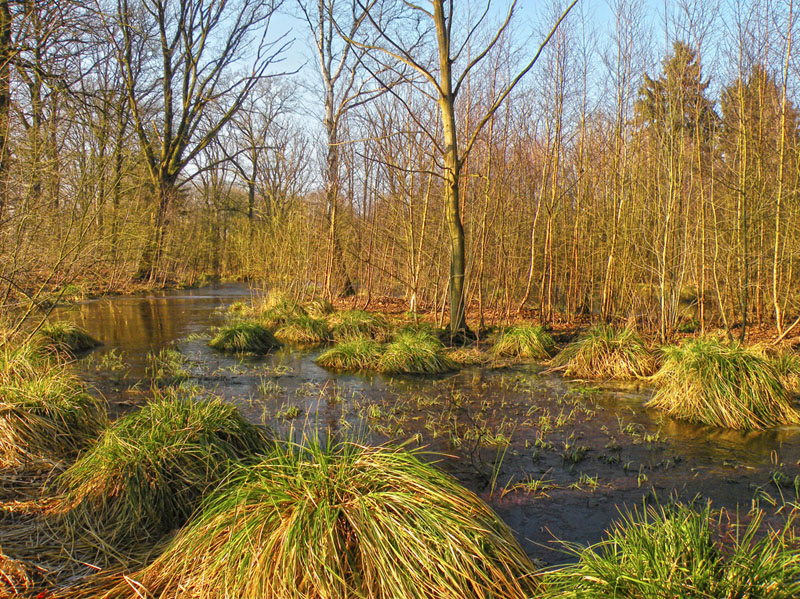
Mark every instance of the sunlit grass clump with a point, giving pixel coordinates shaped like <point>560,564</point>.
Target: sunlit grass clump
<point>349,324</point>
<point>248,337</point>
<point>665,553</point>
<point>46,413</point>
<point>356,354</point>
<point>146,474</point>
<point>524,342</point>
<point>722,384</point>
<point>606,353</point>
<point>304,330</point>
<point>787,365</point>
<point>65,337</point>
<point>415,352</point>
<point>338,522</point>
<point>320,308</point>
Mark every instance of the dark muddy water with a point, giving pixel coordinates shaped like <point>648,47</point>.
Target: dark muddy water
<point>556,459</point>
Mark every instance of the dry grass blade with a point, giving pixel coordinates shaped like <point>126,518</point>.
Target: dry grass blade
<point>341,521</point>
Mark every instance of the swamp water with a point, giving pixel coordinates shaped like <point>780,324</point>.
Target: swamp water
<point>557,460</point>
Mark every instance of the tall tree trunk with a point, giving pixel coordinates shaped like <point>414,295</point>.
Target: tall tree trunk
<point>5,102</point>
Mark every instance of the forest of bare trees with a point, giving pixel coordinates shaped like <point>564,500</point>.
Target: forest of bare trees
<point>477,159</point>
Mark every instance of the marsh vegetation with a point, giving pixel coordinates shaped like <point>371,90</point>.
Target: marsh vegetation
<point>204,452</point>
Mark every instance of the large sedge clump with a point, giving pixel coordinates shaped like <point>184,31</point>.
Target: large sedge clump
<point>524,342</point>
<point>350,324</point>
<point>336,521</point>
<point>66,338</point>
<point>604,352</point>
<point>46,413</point>
<point>244,337</point>
<point>146,474</point>
<point>353,355</point>
<point>415,352</point>
<point>723,384</point>
<point>663,553</point>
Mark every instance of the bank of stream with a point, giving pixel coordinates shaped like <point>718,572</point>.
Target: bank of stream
<point>558,460</point>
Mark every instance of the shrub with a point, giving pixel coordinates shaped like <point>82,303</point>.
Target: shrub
<point>147,473</point>
<point>606,353</point>
<point>360,353</point>
<point>65,337</point>
<point>525,342</point>
<point>415,352</point>
<point>342,521</point>
<point>662,553</point>
<point>722,384</point>
<point>244,337</point>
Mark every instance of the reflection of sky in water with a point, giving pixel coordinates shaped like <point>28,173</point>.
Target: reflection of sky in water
<point>633,452</point>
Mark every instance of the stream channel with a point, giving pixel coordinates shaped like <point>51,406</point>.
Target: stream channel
<point>559,461</point>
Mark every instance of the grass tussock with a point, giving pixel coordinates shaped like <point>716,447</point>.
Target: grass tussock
<point>527,342</point>
<point>350,324</point>
<point>415,352</point>
<point>468,356</point>
<point>65,337</point>
<point>662,553</point>
<point>722,384</point>
<point>304,330</point>
<point>357,354</point>
<point>46,413</point>
<point>146,474</point>
<point>786,363</point>
<point>341,521</point>
<point>320,308</point>
<point>241,337</point>
<point>606,353</point>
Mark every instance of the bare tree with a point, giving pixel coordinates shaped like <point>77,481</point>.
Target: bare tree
<point>404,30</point>
<point>178,59</point>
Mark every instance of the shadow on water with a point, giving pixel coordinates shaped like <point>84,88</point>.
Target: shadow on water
<point>556,459</point>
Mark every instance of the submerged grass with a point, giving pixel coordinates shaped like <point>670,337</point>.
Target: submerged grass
<point>663,553</point>
<point>415,352</point>
<point>722,384</point>
<point>65,337</point>
<point>167,366</point>
<point>606,353</point>
<point>45,411</point>
<point>359,353</point>
<point>349,324</point>
<point>524,342</point>
<point>244,337</point>
<point>341,521</point>
<point>147,473</point>
<point>304,330</point>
